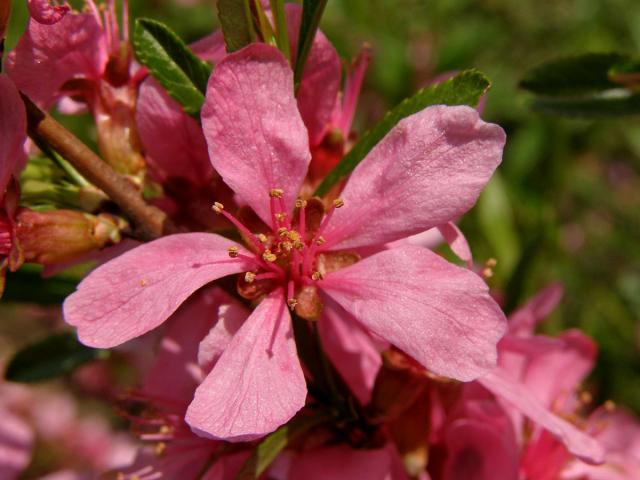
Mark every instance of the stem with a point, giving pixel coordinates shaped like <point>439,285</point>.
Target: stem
<point>151,222</point>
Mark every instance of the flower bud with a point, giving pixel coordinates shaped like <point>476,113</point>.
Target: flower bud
<point>61,235</point>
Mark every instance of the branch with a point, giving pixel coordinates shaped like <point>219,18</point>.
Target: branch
<point>150,221</point>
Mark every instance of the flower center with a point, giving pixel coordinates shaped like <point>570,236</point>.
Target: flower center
<point>286,253</point>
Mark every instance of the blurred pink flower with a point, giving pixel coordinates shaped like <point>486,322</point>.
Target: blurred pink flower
<point>429,169</point>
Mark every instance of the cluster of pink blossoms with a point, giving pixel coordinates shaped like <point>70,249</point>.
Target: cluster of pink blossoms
<point>281,308</point>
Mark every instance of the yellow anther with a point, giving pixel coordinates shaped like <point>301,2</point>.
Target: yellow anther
<point>165,429</point>
<point>282,231</point>
<point>233,252</point>
<point>280,216</point>
<point>491,263</point>
<point>586,397</point>
<point>249,277</point>
<point>217,207</point>
<point>143,282</point>
<point>286,246</point>
<point>300,203</point>
<point>276,193</point>
<point>298,245</point>
<point>487,272</point>
<point>262,237</point>
<point>338,202</point>
<point>293,235</point>
<point>267,256</point>
<point>160,448</point>
<point>609,406</point>
<point>292,302</point>
<point>316,276</point>
<point>321,240</point>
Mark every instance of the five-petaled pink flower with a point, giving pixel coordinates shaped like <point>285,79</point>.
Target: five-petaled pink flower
<point>427,171</point>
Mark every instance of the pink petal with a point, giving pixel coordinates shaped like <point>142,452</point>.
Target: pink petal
<point>173,142</point>
<point>440,314</point>
<point>427,171</point>
<point>231,315</point>
<point>47,56</point>
<point>554,376</point>
<point>479,451</point>
<point>524,320</point>
<point>177,359</point>
<point>257,384</point>
<point>320,80</point>
<point>16,440</point>
<point>139,290</point>
<point>210,48</point>
<point>457,241</point>
<point>341,463</point>
<point>256,138</point>
<point>13,128</point>
<point>517,395</point>
<point>350,349</point>
<point>42,11</point>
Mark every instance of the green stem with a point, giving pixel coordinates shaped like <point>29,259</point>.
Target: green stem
<point>282,35</point>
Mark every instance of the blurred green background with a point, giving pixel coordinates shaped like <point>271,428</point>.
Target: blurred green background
<point>565,205</point>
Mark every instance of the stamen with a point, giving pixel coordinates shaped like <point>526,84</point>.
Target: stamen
<point>266,276</point>
<point>267,256</point>
<point>262,238</point>
<point>276,193</point>
<point>249,277</point>
<point>219,209</point>
<point>282,231</point>
<point>300,203</point>
<point>321,240</point>
<point>280,216</point>
<point>302,217</point>
<point>292,302</point>
<point>338,202</point>
<point>316,276</point>
<point>233,252</point>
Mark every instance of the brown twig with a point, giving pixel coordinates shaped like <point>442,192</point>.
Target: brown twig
<point>151,222</point>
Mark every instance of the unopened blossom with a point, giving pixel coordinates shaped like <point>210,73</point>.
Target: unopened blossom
<point>428,170</point>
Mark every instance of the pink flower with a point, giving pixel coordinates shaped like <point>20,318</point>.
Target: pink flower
<point>429,169</point>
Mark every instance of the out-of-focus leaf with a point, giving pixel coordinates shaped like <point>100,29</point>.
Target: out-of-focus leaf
<point>27,286</point>
<point>311,13</point>
<point>267,451</point>
<point>466,88</point>
<point>237,24</point>
<point>626,73</point>
<point>50,357</point>
<point>612,104</point>
<point>572,76</point>
<point>172,63</point>
<point>495,217</point>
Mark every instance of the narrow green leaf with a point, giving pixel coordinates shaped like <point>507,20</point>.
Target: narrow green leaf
<point>578,75</point>
<point>613,104</point>
<point>237,23</point>
<point>311,12</point>
<point>50,357</point>
<point>172,63</point>
<point>466,88</point>
<point>267,451</point>
<point>282,35</point>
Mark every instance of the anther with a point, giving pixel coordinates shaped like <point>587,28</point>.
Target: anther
<point>160,448</point>
<point>262,238</point>
<point>316,276</point>
<point>249,277</point>
<point>217,207</point>
<point>487,272</point>
<point>143,282</point>
<point>491,263</point>
<point>338,202</point>
<point>286,246</point>
<point>298,245</point>
<point>293,235</point>
<point>276,193</point>
<point>300,203</point>
<point>292,302</point>
<point>267,256</point>
<point>280,216</point>
<point>282,231</point>
<point>233,252</point>
<point>320,240</point>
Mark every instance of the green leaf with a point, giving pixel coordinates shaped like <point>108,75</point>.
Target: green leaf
<point>311,13</point>
<point>466,88</point>
<point>237,23</point>
<point>613,104</point>
<point>172,63</point>
<point>578,75</point>
<point>267,451</point>
<point>50,357</point>
<point>27,286</point>
<point>626,73</point>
